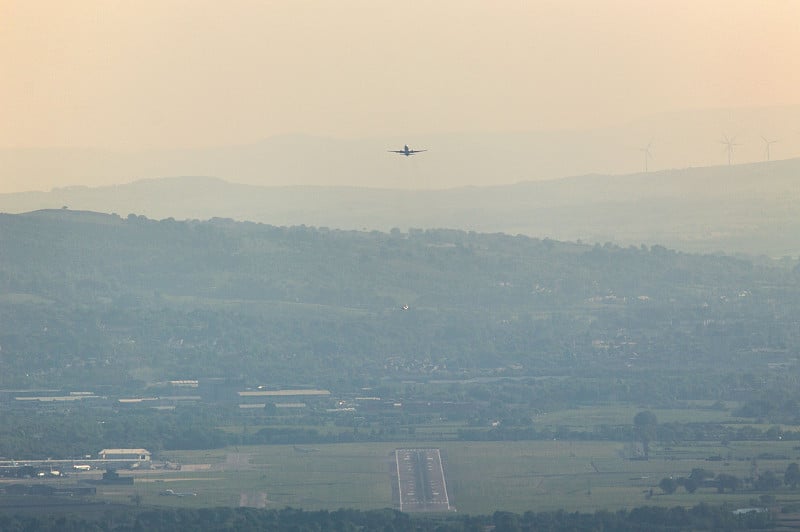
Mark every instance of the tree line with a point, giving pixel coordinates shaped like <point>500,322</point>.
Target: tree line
<point>700,517</point>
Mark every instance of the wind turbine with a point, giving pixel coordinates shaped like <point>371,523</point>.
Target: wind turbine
<point>767,144</point>
<point>729,144</point>
<point>647,154</point>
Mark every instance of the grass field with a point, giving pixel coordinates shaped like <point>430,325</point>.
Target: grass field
<point>481,476</point>
<point>588,417</point>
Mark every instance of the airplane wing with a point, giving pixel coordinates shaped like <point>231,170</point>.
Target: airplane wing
<point>416,151</point>
<point>395,151</point>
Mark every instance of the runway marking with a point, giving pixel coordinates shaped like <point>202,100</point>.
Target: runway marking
<point>421,481</point>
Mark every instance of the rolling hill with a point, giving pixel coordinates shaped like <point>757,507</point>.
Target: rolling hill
<point>752,208</point>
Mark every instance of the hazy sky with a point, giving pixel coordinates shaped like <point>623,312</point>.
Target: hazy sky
<point>166,73</point>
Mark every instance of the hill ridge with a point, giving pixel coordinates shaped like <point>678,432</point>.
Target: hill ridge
<point>751,208</point>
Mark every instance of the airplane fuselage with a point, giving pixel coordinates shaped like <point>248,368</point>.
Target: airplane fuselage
<point>406,151</point>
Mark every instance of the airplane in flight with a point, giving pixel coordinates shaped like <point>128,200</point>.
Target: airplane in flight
<point>172,493</point>
<point>406,151</point>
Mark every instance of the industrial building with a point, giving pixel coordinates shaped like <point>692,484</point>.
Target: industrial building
<point>139,455</point>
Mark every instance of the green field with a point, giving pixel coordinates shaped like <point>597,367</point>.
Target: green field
<point>588,417</point>
<point>482,476</point>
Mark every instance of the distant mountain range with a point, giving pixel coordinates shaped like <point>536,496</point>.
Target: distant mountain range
<point>752,208</point>
<point>680,139</point>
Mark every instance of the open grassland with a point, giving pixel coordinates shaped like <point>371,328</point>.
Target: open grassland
<point>588,417</point>
<point>481,476</point>
<point>36,506</point>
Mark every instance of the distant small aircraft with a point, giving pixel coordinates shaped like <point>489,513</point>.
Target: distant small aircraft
<point>406,151</point>
<point>299,449</point>
<point>172,493</point>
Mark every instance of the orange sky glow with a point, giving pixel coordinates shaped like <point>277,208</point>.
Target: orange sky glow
<point>172,74</point>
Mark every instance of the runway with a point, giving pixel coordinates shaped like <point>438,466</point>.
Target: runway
<point>420,481</point>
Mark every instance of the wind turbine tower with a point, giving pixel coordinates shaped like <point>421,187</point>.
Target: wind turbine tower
<point>729,143</point>
<point>767,144</point>
<point>647,154</point>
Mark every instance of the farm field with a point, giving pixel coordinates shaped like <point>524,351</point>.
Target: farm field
<point>580,418</point>
<point>588,417</point>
